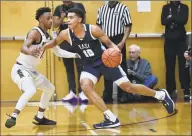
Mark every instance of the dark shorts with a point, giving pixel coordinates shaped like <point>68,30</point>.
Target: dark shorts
<point>94,73</point>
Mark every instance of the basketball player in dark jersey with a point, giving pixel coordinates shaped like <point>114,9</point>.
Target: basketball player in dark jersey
<point>85,39</point>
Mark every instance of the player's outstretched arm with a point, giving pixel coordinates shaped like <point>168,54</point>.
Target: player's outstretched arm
<point>98,33</point>
<point>31,38</point>
<point>63,35</point>
<point>63,53</point>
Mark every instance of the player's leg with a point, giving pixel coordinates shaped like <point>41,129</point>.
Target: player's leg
<point>140,89</point>
<point>87,80</point>
<point>48,89</point>
<point>26,84</point>
<point>82,97</point>
<point>161,95</point>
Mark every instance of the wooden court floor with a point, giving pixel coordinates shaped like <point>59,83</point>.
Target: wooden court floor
<point>136,119</point>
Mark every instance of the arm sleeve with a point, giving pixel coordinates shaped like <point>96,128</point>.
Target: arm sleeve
<point>127,17</point>
<point>62,53</point>
<point>182,17</point>
<point>143,76</point>
<point>164,14</point>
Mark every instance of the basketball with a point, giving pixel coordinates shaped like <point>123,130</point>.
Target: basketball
<point>111,58</point>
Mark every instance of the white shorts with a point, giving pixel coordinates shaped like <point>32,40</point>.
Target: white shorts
<point>19,73</point>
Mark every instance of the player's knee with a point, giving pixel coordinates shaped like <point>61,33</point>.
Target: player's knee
<point>86,86</point>
<point>51,88</point>
<point>30,92</point>
<point>128,87</point>
<point>28,87</point>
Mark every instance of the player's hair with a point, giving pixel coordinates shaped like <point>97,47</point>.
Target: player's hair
<point>79,12</point>
<point>41,11</point>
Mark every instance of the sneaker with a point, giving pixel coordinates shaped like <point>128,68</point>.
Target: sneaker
<point>168,102</point>
<point>186,95</point>
<point>174,95</point>
<point>43,121</point>
<point>107,124</point>
<point>70,98</point>
<point>83,98</point>
<point>10,122</point>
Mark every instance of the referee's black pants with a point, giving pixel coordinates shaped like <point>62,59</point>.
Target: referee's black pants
<point>173,48</point>
<point>108,84</point>
<point>69,65</point>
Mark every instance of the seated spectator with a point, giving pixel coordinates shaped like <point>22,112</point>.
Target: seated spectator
<point>139,72</point>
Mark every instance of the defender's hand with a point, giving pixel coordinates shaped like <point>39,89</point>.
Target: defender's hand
<point>34,51</point>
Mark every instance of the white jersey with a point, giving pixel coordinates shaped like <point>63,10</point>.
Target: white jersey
<point>29,61</point>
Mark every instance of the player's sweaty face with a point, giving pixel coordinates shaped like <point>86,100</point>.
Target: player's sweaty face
<point>47,20</point>
<point>73,20</point>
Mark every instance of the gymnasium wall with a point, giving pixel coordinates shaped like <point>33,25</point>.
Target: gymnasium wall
<point>17,18</point>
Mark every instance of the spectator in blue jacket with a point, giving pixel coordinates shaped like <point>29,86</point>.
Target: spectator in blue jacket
<point>139,72</point>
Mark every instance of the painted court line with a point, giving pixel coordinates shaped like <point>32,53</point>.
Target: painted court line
<point>88,128</point>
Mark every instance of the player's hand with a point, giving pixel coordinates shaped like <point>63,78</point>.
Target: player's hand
<point>77,56</point>
<point>116,47</point>
<point>186,55</point>
<point>34,51</point>
<point>130,72</point>
<point>42,48</point>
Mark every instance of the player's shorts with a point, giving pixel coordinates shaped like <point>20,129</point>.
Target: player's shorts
<point>94,73</point>
<point>20,73</point>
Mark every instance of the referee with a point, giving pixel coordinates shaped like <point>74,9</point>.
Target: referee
<point>115,20</point>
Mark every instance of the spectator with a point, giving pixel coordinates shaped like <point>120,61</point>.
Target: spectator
<point>139,72</point>
<point>115,20</point>
<point>59,20</point>
<point>187,56</point>
<point>174,17</point>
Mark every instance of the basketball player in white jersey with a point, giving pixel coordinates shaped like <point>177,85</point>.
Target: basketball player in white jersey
<point>24,72</point>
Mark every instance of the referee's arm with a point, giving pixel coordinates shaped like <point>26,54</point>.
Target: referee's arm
<point>98,22</point>
<point>128,25</point>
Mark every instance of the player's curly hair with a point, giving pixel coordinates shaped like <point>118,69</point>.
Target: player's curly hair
<point>41,11</point>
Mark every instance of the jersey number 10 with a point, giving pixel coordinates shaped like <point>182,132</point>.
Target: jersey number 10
<point>88,53</point>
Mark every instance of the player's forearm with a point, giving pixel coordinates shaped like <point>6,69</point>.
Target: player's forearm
<point>63,53</point>
<point>110,44</point>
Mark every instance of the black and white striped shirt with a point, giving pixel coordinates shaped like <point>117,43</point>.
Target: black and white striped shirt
<point>113,20</point>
